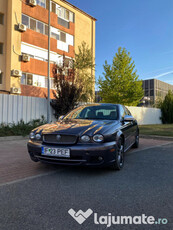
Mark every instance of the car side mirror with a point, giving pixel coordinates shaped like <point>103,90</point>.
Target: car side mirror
<point>128,118</point>
<point>61,118</point>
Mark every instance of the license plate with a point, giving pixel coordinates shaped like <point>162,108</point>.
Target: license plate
<point>57,152</point>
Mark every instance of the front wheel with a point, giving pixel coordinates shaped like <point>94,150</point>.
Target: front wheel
<point>119,157</point>
<point>136,144</point>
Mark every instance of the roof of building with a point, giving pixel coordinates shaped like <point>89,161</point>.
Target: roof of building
<point>158,80</point>
<point>75,7</point>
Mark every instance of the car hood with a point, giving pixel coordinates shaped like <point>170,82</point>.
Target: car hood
<point>77,127</point>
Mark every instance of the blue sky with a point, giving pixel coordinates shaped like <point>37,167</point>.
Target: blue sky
<point>143,27</point>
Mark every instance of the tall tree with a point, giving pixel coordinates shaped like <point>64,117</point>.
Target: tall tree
<point>84,68</point>
<point>167,108</point>
<point>121,83</point>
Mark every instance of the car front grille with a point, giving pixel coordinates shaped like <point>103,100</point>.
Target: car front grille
<point>59,139</point>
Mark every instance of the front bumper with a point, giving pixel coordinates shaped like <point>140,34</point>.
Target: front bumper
<point>80,154</point>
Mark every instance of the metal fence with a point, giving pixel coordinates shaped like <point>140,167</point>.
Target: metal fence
<point>14,108</point>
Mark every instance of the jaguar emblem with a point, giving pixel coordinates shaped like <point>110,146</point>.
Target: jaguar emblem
<point>58,137</point>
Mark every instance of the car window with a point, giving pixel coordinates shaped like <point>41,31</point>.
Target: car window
<point>127,111</point>
<point>95,112</point>
<point>122,111</point>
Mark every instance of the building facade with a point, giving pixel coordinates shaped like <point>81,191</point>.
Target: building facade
<point>24,42</point>
<point>154,89</point>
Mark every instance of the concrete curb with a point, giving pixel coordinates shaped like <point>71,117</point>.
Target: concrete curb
<point>166,138</point>
<point>13,138</point>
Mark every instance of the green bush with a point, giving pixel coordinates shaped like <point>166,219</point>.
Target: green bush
<point>167,109</point>
<point>20,129</point>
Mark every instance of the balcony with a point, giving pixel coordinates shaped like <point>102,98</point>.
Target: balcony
<point>41,14</point>
<point>41,40</point>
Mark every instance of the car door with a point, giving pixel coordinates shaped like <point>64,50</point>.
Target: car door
<point>132,127</point>
<point>125,127</point>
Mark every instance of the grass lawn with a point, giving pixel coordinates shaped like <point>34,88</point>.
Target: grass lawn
<point>160,130</point>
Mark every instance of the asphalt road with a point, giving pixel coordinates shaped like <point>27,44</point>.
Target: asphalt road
<point>144,186</point>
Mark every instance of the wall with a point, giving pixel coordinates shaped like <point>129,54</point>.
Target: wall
<point>13,47</point>
<point>14,108</point>
<point>3,9</point>
<point>146,116</point>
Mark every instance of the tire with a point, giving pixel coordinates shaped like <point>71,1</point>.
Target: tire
<point>119,157</point>
<point>136,144</point>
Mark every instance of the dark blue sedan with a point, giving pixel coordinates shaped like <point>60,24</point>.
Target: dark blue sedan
<point>91,135</point>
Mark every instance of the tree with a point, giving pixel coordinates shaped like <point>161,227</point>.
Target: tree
<point>121,83</point>
<point>84,68</point>
<point>67,93</point>
<point>74,81</point>
<point>167,108</point>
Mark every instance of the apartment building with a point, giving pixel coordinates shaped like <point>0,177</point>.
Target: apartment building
<point>154,89</point>
<point>24,42</point>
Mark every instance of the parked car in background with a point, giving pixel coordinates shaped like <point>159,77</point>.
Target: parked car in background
<point>92,135</point>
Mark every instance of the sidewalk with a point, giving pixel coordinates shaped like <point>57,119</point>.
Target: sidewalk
<point>155,137</point>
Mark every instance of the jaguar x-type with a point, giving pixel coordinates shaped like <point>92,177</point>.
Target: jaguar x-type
<point>91,135</point>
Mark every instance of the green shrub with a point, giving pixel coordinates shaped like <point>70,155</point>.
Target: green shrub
<point>167,109</point>
<point>20,129</point>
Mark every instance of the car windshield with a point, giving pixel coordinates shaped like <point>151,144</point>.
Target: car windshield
<point>100,112</point>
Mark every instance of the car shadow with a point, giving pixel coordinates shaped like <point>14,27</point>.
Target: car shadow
<point>79,170</point>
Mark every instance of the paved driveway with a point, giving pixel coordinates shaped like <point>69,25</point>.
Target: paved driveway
<point>15,162</point>
<point>42,195</point>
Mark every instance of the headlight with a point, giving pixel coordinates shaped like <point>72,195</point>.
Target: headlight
<point>98,138</point>
<point>38,136</point>
<point>85,138</point>
<point>32,136</point>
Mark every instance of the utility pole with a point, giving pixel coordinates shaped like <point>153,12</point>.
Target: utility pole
<point>48,78</point>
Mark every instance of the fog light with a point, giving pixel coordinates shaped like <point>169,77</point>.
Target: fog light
<point>100,158</point>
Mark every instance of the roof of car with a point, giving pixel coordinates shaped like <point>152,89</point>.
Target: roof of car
<point>97,104</point>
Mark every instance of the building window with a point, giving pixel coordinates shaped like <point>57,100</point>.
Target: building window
<point>1,48</point>
<point>46,30</point>
<point>32,24</point>
<point>146,93</point>
<point>1,19</point>
<point>1,76</point>
<point>23,79</point>
<point>25,20</point>
<point>40,27</point>
<point>151,92</point>
<point>55,36</point>
<point>152,84</point>
<point>29,79</point>
<point>53,7</point>
<point>64,15</point>
<point>67,13</point>
<point>71,17</point>
<point>41,3</point>
<point>63,22</point>
<point>36,80</point>
<point>62,37</point>
<point>146,84</point>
